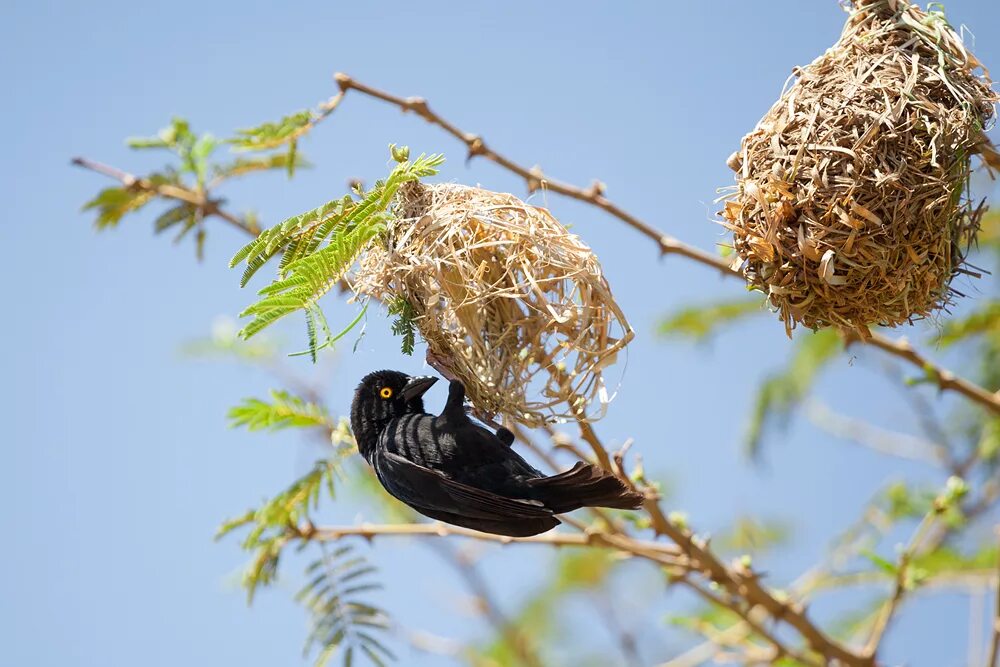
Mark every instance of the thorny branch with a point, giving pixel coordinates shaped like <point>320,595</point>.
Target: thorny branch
<point>536,179</point>
<point>657,551</point>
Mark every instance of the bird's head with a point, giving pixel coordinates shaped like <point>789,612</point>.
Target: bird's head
<point>381,397</point>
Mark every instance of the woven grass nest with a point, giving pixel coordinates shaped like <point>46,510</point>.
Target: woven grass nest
<point>505,297</point>
<point>851,203</point>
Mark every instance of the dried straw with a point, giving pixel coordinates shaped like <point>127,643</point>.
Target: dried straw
<point>505,297</point>
<point>851,206</point>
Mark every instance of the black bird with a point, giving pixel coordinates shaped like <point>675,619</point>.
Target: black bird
<point>452,469</point>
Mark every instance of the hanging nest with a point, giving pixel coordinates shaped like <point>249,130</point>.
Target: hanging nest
<point>851,206</point>
<point>506,298</point>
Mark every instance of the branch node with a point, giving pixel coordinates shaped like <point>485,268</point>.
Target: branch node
<point>595,191</point>
<point>535,179</point>
<point>344,82</point>
<point>418,105</point>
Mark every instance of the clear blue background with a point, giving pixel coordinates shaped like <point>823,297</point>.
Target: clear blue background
<point>117,460</point>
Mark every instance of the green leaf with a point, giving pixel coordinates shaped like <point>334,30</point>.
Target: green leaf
<point>340,618</point>
<point>274,134</point>
<point>404,325</point>
<point>882,564</point>
<point>146,142</point>
<point>172,216</point>
<point>752,535</point>
<point>200,151</point>
<point>177,134</point>
<point>284,410</point>
<point>320,246</point>
<point>948,560</point>
<point>985,320</point>
<point>248,165</point>
<point>330,339</point>
<point>782,392</point>
<point>268,524</point>
<point>901,502</point>
<point>309,278</point>
<point>700,322</point>
<point>114,203</point>
<point>988,447</point>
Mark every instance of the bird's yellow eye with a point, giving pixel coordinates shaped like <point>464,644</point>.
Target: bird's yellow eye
<point>386,392</point>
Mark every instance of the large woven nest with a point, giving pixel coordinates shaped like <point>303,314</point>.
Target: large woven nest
<point>506,298</point>
<point>851,205</point>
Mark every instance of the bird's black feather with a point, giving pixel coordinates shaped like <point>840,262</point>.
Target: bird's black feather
<point>450,468</point>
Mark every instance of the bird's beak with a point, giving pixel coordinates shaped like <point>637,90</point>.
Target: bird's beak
<point>416,387</point>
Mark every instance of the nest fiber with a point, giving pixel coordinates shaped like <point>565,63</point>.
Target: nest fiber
<point>851,205</point>
<point>506,298</point>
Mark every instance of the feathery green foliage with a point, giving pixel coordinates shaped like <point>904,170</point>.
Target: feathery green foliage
<point>404,324</point>
<point>781,393</point>
<point>283,411</point>
<point>270,522</point>
<point>700,322</point>
<point>750,535</point>
<point>224,343</point>
<point>341,621</point>
<point>985,320</point>
<point>242,166</point>
<point>114,203</point>
<point>193,150</point>
<point>319,247</point>
<point>176,215</point>
<point>192,158</point>
<point>273,134</point>
<point>266,136</point>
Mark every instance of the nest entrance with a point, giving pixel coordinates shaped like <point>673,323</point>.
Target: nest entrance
<point>511,302</point>
<point>851,206</point>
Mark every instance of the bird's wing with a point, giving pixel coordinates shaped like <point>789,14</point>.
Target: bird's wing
<point>422,487</point>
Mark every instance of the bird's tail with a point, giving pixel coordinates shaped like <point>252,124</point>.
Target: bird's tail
<point>584,485</point>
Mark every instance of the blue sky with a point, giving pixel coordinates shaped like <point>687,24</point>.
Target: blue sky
<point>119,463</point>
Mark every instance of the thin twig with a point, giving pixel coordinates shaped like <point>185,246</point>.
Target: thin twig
<point>781,649</point>
<point>899,589</point>
<point>900,445</point>
<point>625,638</point>
<point>658,551</point>
<point>207,207</point>
<point>746,585</point>
<point>994,658</point>
<point>519,641</point>
<point>942,377</point>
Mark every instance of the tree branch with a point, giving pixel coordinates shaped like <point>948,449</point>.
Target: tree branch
<point>535,179</point>
<point>206,206</point>
<point>890,443</point>
<point>657,551</point>
<point>942,377</point>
